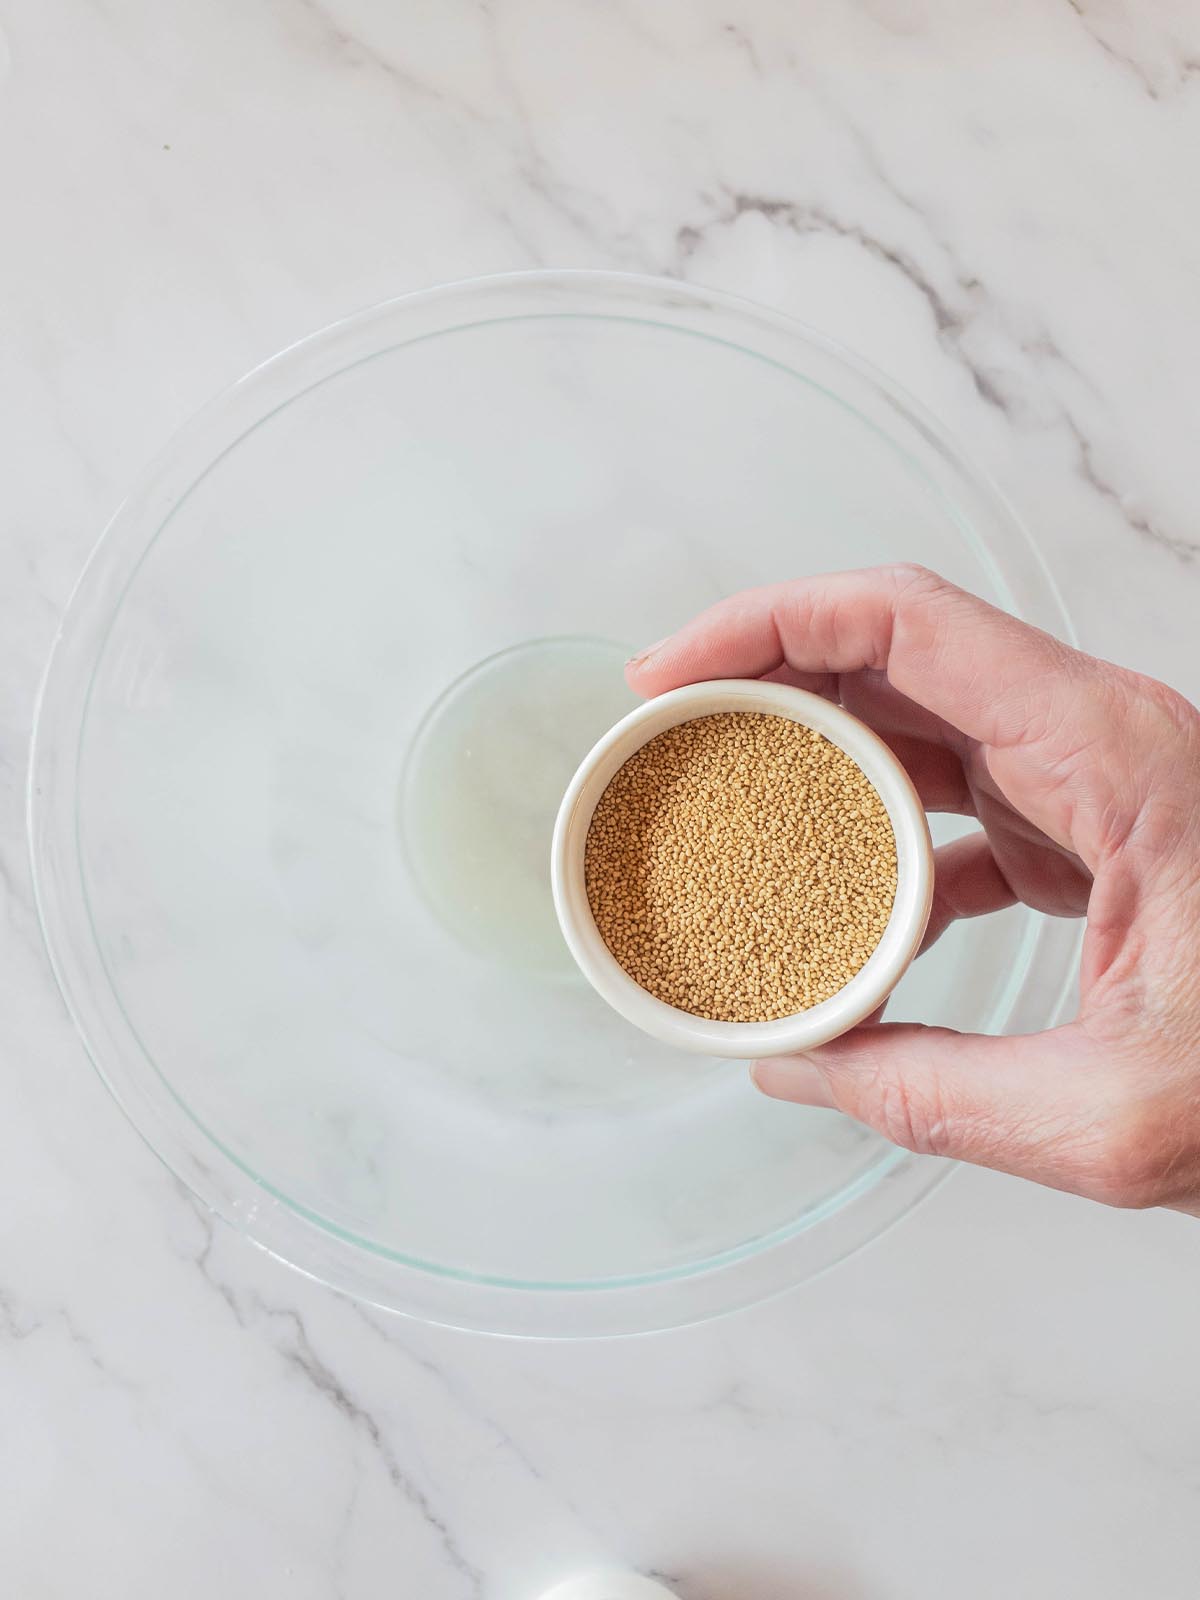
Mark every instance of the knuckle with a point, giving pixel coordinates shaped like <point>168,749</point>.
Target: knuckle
<point>910,576</point>
<point>1165,705</point>
<point>909,1115</point>
<point>1162,724</point>
<point>1160,763</point>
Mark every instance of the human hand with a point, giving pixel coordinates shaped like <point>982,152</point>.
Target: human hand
<point>1085,779</point>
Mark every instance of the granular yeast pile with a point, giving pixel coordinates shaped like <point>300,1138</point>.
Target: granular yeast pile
<point>741,867</point>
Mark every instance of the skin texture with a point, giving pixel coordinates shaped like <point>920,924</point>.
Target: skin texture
<point>1085,780</point>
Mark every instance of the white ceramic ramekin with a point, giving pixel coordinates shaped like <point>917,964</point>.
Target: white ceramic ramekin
<point>867,990</point>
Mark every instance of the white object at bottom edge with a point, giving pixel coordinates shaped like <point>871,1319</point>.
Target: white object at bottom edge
<point>608,1586</point>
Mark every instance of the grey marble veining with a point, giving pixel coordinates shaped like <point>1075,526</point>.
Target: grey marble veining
<point>996,204</point>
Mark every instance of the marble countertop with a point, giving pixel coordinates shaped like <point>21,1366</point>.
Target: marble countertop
<point>997,203</point>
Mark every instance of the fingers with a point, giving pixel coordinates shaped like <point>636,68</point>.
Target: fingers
<point>936,772</point>
<point>1036,1107</point>
<point>987,674</point>
<point>823,683</point>
<point>870,697</point>
<point>915,737</point>
<point>1071,743</point>
<point>967,883</point>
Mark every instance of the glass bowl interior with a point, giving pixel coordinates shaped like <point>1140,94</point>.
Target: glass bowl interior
<point>300,749</point>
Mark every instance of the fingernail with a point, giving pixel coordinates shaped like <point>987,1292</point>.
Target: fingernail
<point>644,655</point>
<point>792,1078</point>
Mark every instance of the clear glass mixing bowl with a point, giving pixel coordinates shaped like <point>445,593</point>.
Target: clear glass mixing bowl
<point>299,749</point>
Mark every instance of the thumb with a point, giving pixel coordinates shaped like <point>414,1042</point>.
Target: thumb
<point>1042,1106</point>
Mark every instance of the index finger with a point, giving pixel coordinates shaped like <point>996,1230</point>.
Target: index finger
<point>981,670</point>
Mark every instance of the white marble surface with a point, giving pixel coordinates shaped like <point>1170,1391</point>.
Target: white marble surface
<point>997,202</point>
